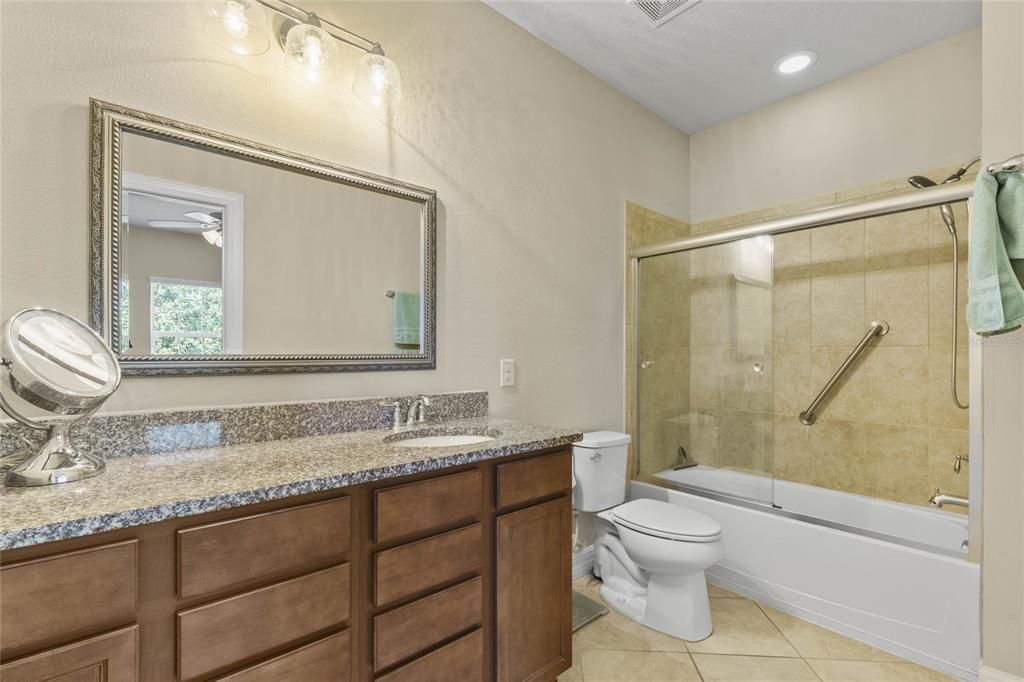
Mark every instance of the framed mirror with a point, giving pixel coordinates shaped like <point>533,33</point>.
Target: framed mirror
<point>217,255</point>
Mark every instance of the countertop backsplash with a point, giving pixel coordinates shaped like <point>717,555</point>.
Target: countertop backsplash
<point>154,432</point>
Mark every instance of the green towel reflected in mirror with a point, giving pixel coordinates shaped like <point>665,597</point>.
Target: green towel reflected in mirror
<point>407,320</point>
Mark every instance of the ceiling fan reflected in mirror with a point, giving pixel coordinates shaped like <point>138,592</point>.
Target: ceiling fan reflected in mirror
<point>210,225</point>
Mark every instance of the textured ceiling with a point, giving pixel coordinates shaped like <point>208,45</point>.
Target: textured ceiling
<point>715,61</point>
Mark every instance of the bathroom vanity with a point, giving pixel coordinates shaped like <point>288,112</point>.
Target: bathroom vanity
<point>461,571</point>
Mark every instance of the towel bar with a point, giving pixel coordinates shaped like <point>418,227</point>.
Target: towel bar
<point>1014,163</point>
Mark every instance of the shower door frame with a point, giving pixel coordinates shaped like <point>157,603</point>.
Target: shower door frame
<point>822,217</point>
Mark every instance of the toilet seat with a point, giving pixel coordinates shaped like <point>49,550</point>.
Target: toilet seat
<point>665,520</point>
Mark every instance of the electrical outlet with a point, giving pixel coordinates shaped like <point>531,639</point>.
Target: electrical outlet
<point>508,373</point>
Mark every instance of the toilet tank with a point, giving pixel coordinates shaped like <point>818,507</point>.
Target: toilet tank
<point>599,470</point>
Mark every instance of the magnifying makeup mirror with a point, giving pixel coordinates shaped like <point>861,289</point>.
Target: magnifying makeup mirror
<point>55,363</point>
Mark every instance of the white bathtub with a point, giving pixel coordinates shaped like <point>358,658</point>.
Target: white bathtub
<point>896,579</point>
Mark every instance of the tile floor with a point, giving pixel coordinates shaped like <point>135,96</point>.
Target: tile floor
<point>751,643</point>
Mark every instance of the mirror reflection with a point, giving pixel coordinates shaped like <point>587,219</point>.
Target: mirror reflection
<point>221,255</point>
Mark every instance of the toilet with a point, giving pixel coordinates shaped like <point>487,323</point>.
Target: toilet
<point>650,555</point>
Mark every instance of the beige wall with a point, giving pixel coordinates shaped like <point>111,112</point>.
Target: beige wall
<point>1002,374</point>
<point>533,159</point>
<point>898,118</point>
<point>160,253</point>
<point>318,256</point>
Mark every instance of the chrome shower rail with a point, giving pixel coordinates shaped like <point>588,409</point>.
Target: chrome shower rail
<point>897,203</point>
<point>877,328</point>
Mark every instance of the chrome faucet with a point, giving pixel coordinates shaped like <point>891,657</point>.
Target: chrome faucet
<point>939,499</point>
<point>418,411</point>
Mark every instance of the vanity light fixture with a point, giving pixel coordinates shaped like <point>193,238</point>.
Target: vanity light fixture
<point>310,44</point>
<point>795,62</point>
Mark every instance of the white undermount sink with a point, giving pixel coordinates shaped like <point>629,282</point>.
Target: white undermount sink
<point>441,441</point>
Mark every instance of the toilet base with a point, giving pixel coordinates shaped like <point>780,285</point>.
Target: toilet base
<point>676,605</point>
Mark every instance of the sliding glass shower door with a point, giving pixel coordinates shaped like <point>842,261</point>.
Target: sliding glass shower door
<point>704,345</point>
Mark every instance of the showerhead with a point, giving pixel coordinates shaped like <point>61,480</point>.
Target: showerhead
<point>920,181</point>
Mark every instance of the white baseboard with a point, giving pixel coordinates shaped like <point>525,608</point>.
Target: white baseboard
<point>583,562</point>
<point>987,674</point>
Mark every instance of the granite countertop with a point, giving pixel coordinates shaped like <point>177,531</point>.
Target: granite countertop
<point>148,488</point>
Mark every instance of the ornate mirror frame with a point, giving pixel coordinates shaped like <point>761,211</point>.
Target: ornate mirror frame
<point>108,122</point>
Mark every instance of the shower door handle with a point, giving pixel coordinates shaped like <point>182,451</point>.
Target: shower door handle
<point>646,363</point>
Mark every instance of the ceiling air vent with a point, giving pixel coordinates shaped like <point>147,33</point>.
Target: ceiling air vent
<point>661,11</point>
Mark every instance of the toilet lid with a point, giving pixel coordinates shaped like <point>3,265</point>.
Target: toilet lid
<point>662,519</point>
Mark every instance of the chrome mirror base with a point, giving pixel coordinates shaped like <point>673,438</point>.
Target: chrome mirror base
<point>57,461</point>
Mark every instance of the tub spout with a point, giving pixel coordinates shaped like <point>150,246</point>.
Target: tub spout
<point>939,499</point>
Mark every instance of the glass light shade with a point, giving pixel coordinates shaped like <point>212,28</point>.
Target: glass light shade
<point>312,54</point>
<point>377,80</point>
<point>238,25</point>
<point>214,237</point>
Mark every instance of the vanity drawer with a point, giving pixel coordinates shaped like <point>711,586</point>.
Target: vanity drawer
<point>228,631</point>
<point>58,598</point>
<point>216,556</point>
<point>325,660</point>
<point>463,659</point>
<point>407,570</point>
<point>409,629</point>
<point>428,505</point>
<point>534,478</point>
<point>111,657</point>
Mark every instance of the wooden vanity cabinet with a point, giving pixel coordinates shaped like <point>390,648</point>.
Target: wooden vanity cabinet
<point>459,574</point>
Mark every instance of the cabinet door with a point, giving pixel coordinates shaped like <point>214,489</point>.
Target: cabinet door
<point>112,657</point>
<point>534,605</point>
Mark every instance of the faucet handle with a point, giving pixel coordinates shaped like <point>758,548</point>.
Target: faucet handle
<point>958,461</point>
<point>424,403</point>
<point>396,415</point>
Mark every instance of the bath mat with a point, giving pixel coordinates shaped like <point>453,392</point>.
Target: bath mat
<point>584,610</point>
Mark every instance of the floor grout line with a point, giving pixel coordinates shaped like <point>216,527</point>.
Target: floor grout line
<point>693,662</point>
<point>783,634</point>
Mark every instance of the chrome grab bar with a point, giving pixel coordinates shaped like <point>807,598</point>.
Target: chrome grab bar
<point>877,328</point>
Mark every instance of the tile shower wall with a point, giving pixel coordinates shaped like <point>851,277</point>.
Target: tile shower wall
<point>890,429</point>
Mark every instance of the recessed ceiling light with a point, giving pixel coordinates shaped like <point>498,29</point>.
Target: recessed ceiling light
<point>795,62</point>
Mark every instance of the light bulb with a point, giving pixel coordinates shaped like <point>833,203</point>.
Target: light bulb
<point>312,53</point>
<point>238,25</point>
<point>377,80</point>
<point>234,20</point>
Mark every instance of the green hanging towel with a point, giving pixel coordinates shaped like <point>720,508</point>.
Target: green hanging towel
<point>407,318</point>
<point>995,260</point>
